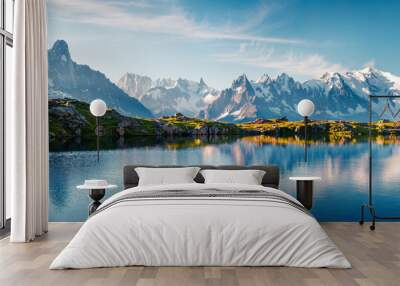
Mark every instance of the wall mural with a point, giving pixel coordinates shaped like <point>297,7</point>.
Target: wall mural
<point>184,85</point>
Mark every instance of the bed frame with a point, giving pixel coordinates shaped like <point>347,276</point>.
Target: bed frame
<point>270,179</point>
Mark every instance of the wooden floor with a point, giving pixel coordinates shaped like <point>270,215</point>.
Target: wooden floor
<point>375,257</point>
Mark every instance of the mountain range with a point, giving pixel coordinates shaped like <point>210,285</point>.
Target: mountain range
<point>67,79</point>
<point>335,95</point>
<point>166,97</point>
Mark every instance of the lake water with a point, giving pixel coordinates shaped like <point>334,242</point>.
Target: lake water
<point>337,197</point>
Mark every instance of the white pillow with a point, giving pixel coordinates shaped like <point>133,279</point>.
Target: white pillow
<point>166,176</point>
<point>248,177</point>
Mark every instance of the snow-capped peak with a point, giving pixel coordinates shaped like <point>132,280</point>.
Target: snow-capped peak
<point>60,51</point>
<point>328,76</point>
<point>202,83</point>
<point>241,81</point>
<point>381,80</point>
<point>364,73</point>
<point>393,78</point>
<point>263,79</point>
<point>134,84</point>
<point>283,77</point>
<point>242,78</point>
<point>368,69</point>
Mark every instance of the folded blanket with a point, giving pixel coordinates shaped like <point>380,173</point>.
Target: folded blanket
<point>211,193</point>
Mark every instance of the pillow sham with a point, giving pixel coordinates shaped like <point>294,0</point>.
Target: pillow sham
<point>166,176</point>
<point>248,177</point>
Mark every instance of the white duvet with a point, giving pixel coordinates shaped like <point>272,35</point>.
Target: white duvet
<point>193,231</point>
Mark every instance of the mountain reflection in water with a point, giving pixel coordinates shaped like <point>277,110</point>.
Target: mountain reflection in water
<point>342,164</point>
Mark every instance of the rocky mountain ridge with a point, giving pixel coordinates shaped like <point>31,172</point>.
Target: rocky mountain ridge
<point>67,79</point>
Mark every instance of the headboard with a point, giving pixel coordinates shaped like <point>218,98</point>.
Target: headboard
<point>271,177</point>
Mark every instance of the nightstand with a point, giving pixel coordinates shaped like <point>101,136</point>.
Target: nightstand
<point>97,190</point>
<point>304,190</point>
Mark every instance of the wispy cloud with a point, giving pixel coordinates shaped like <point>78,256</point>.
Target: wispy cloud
<point>167,19</point>
<point>260,55</point>
<point>132,3</point>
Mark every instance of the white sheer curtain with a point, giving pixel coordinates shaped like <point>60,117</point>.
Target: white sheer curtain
<point>27,124</point>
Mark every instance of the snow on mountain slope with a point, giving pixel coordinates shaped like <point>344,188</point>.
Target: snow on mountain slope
<point>236,103</point>
<point>168,96</point>
<point>336,96</point>
<point>135,85</point>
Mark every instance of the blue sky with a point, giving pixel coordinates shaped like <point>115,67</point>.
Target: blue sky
<point>219,40</point>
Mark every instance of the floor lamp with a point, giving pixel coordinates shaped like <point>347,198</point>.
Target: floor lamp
<point>305,108</point>
<point>98,108</point>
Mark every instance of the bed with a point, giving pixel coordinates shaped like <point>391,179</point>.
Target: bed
<point>197,224</point>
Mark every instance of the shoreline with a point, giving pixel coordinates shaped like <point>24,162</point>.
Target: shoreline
<point>71,124</point>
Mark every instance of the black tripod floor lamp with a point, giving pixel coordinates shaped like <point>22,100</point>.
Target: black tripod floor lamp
<point>98,108</point>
